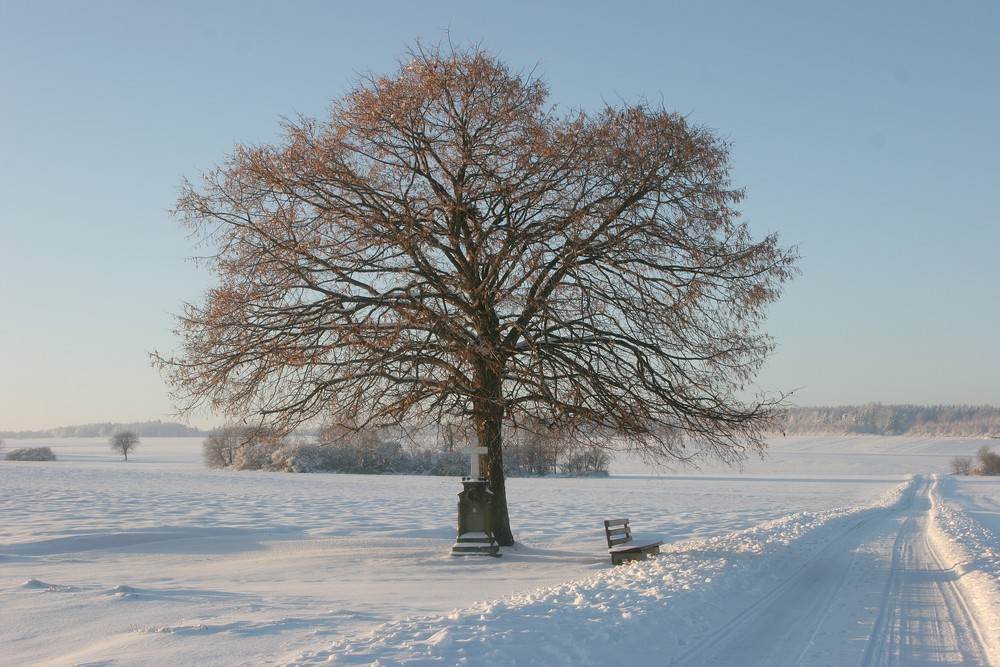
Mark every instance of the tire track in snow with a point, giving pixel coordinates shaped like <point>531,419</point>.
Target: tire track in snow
<point>924,617</point>
<point>901,605</point>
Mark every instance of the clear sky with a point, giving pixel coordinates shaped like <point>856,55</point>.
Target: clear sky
<point>865,133</point>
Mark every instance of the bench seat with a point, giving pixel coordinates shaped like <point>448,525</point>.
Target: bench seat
<point>622,547</point>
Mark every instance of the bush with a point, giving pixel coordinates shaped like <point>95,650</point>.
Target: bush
<point>532,450</point>
<point>587,460</point>
<point>373,452</point>
<point>961,465</point>
<point>446,464</point>
<point>242,448</point>
<point>220,447</point>
<point>31,454</point>
<point>336,450</point>
<point>989,462</point>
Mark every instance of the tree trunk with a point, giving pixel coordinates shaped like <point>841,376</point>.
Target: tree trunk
<point>489,431</point>
<point>491,437</point>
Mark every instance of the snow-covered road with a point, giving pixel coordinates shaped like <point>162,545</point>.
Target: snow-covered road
<point>882,569</point>
<point>924,617</point>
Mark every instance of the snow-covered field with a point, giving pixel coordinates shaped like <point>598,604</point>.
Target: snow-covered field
<point>834,551</point>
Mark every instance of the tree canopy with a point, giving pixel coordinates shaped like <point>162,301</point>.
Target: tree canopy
<point>446,247</point>
<point>124,442</point>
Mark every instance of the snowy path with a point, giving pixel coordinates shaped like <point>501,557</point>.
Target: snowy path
<point>883,568</point>
<point>924,617</point>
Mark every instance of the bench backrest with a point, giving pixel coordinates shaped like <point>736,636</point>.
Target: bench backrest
<point>617,532</point>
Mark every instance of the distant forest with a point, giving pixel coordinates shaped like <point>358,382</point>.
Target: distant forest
<point>153,429</point>
<point>959,421</point>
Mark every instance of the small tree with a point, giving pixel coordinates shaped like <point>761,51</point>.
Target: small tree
<point>587,460</point>
<point>242,447</point>
<point>532,453</point>
<point>222,445</point>
<point>124,442</point>
<point>961,465</point>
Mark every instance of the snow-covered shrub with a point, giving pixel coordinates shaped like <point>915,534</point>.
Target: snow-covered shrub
<point>531,450</point>
<point>989,462</point>
<point>586,460</point>
<point>383,452</point>
<point>243,448</point>
<point>961,465</point>
<point>448,464</point>
<point>31,454</point>
<point>254,455</point>
<point>342,450</point>
<point>220,447</point>
<point>309,457</point>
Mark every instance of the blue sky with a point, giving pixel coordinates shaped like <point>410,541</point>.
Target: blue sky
<point>865,133</point>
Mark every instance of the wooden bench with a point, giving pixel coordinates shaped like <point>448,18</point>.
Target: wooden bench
<point>622,547</point>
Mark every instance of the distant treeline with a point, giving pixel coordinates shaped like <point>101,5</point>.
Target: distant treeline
<point>960,421</point>
<point>152,429</point>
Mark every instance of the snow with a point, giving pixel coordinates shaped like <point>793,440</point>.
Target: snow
<point>966,531</point>
<point>832,551</point>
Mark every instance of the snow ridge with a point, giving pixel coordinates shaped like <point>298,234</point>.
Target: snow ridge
<point>969,547</point>
<point>652,610</point>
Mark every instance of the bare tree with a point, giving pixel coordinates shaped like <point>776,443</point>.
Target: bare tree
<point>240,446</point>
<point>446,248</point>
<point>222,445</point>
<point>961,465</point>
<point>124,442</point>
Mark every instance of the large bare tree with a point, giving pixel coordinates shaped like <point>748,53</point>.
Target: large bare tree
<point>447,247</point>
